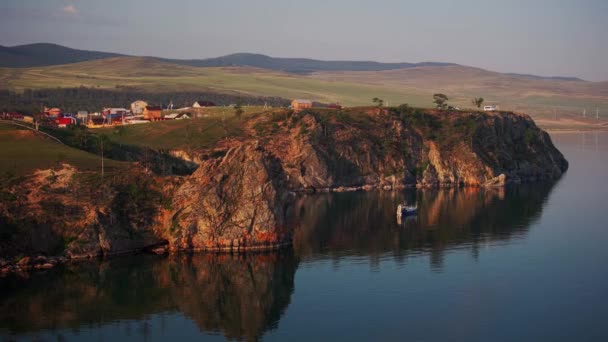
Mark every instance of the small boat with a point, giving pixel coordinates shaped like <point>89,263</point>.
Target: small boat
<point>405,210</point>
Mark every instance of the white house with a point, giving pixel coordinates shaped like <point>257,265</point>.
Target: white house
<point>199,104</point>
<point>138,107</point>
<point>490,108</point>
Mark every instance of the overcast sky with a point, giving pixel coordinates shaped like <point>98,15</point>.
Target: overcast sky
<point>543,37</point>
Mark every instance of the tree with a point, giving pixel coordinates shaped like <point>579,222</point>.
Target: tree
<point>81,135</point>
<point>404,108</point>
<point>378,101</point>
<point>440,100</point>
<point>477,101</point>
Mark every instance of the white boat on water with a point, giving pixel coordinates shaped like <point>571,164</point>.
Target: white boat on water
<point>405,210</point>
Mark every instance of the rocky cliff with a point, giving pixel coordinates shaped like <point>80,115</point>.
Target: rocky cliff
<point>81,215</point>
<point>236,202</point>
<point>405,147</point>
<point>239,198</point>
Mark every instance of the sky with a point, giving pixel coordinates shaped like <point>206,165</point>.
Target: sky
<point>542,37</point>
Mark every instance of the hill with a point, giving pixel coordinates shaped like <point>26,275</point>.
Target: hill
<point>414,85</point>
<point>44,54</point>
<point>298,65</point>
<point>25,151</point>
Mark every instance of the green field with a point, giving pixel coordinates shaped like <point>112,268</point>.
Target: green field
<point>198,133</point>
<point>150,75</point>
<point>415,86</point>
<point>23,152</point>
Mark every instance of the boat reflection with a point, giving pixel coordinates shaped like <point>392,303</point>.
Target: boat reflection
<point>364,224</point>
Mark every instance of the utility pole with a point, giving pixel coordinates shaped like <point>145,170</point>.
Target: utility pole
<point>101,157</point>
<point>585,112</point>
<point>597,113</point>
<point>224,124</point>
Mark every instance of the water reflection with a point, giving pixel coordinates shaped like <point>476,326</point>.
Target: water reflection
<point>365,224</point>
<point>240,297</point>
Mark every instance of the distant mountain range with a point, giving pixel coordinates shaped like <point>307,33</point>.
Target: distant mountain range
<point>298,65</point>
<point>35,55</point>
<point>45,54</point>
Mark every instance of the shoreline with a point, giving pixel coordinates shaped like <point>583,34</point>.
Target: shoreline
<point>574,130</point>
<point>28,264</point>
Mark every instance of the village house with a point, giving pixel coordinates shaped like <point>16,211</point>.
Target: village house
<point>52,111</point>
<point>138,107</point>
<point>153,113</point>
<point>298,104</point>
<point>82,115</point>
<point>115,116</point>
<point>114,111</point>
<point>199,104</point>
<point>177,116</point>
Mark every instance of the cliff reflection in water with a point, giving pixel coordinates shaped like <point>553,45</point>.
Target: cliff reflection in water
<point>239,297</point>
<point>365,224</point>
<point>243,297</point>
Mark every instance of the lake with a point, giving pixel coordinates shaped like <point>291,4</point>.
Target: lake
<point>525,263</point>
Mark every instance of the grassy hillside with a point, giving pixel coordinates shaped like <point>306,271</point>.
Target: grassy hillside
<point>199,133</point>
<point>153,75</point>
<point>23,151</point>
<point>539,97</point>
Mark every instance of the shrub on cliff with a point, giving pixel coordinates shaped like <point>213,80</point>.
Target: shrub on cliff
<point>440,100</point>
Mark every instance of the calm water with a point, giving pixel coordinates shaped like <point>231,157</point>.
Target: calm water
<point>528,263</point>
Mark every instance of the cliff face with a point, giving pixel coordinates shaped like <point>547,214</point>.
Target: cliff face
<point>238,201</point>
<point>389,149</point>
<point>78,215</point>
<point>239,198</point>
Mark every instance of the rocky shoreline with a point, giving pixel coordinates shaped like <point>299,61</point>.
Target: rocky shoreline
<point>27,264</point>
<point>240,197</point>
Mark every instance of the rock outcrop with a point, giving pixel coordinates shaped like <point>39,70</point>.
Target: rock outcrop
<point>237,202</point>
<point>239,197</point>
<point>390,150</point>
<point>62,212</point>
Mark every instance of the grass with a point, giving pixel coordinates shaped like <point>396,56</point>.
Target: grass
<point>165,135</point>
<point>414,86</point>
<point>23,152</point>
<point>157,76</point>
